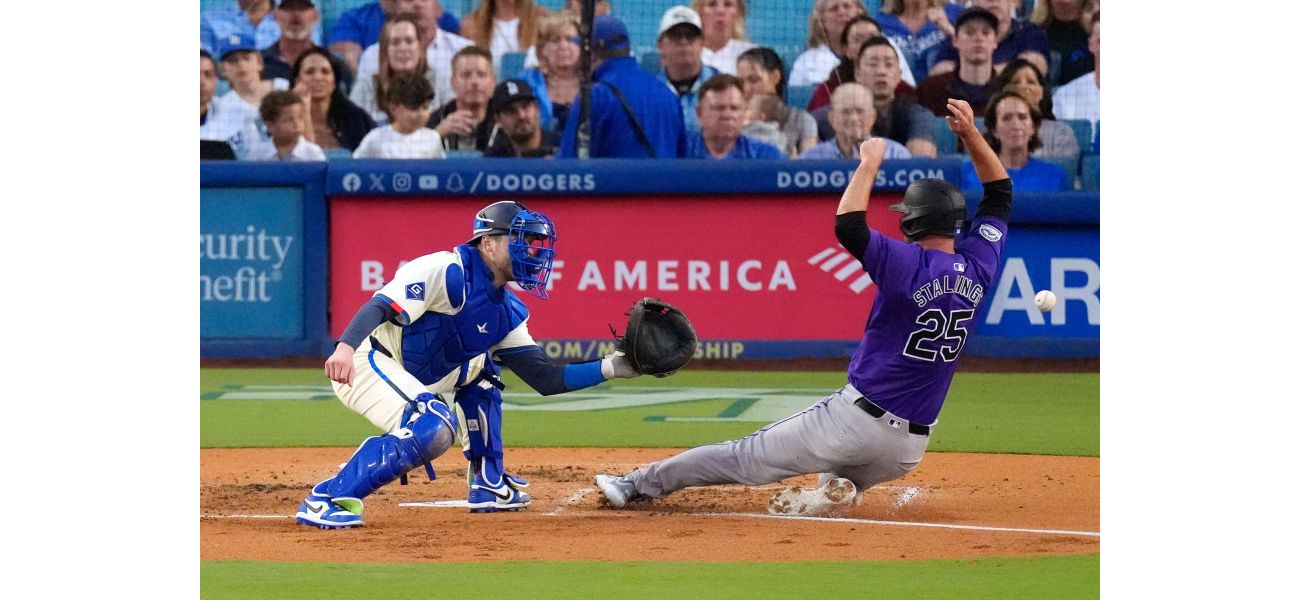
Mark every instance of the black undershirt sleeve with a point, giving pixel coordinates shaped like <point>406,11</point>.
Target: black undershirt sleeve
<point>368,317</point>
<point>536,370</point>
<point>851,231</point>
<point>997,200</point>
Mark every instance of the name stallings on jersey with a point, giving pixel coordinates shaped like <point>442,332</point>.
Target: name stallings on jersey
<point>963,287</point>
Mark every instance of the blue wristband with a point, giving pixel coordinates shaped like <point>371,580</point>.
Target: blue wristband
<point>582,375</point>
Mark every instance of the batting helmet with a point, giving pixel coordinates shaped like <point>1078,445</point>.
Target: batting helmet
<point>931,207</point>
<point>532,241</point>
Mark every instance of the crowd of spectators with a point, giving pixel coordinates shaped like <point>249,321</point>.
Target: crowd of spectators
<point>408,79</point>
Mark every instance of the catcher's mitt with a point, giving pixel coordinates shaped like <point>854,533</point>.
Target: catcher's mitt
<point>659,339</point>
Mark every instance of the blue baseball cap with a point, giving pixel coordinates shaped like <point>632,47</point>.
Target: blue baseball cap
<point>609,33</point>
<point>234,43</point>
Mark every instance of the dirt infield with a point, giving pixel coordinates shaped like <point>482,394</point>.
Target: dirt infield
<point>953,506</point>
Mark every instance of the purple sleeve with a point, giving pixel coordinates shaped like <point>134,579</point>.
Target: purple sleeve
<point>890,262</point>
<point>983,245</point>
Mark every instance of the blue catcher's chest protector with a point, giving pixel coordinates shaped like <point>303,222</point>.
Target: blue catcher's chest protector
<point>436,344</point>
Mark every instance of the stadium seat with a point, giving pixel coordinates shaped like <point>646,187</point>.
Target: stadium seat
<point>799,95</point>
<point>944,139</point>
<point>1091,173</point>
<point>649,62</point>
<point>1069,164</point>
<point>338,154</point>
<point>464,154</point>
<point>1082,133</point>
<point>512,64</point>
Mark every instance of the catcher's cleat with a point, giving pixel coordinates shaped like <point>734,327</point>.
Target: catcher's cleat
<point>330,513</point>
<point>835,496</point>
<point>617,490</point>
<point>484,498</point>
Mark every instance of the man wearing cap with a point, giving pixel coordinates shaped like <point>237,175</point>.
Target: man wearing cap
<point>296,19</point>
<point>975,36</point>
<point>681,38</point>
<point>1015,39</point>
<point>250,22</point>
<point>633,115</point>
<point>519,130</point>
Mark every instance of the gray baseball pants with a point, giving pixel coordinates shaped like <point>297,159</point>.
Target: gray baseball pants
<point>832,436</point>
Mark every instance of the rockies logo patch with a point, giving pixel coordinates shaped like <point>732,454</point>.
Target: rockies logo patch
<point>415,291</point>
<point>990,233</point>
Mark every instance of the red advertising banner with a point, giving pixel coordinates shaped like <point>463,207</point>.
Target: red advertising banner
<point>751,268</point>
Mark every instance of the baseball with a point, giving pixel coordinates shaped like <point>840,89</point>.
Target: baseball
<point>1045,300</point>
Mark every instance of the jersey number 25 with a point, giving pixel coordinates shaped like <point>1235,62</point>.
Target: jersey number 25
<point>937,325</point>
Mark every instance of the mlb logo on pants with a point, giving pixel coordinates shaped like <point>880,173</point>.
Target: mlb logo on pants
<point>895,423</point>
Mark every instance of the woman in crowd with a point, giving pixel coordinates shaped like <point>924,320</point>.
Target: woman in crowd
<point>825,42</point>
<point>859,30</point>
<point>333,121</point>
<point>503,26</point>
<point>1011,128</point>
<point>400,51</point>
<point>917,28</point>
<point>760,71</point>
<point>724,33</point>
<point>555,80</point>
<point>1022,77</point>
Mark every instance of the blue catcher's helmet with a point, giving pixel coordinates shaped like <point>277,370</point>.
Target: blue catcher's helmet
<point>532,241</point>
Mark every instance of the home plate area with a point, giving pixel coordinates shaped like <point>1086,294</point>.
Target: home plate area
<point>952,506</point>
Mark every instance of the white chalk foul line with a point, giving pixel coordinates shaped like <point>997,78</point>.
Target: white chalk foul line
<point>245,516</point>
<point>904,523</point>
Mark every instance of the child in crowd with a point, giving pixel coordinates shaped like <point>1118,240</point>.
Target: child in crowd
<point>285,117</point>
<point>763,121</point>
<point>408,102</point>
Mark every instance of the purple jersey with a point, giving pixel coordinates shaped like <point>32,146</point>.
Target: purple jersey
<point>925,306</point>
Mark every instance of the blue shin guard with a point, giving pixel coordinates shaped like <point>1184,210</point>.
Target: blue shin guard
<point>491,489</point>
<point>380,460</point>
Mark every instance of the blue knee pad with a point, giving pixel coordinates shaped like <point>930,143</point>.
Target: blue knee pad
<point>380,460</point>
<point>482,408</point>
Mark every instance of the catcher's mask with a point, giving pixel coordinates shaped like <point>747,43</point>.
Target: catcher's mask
<point>532,241</point>
<point>931,207</point>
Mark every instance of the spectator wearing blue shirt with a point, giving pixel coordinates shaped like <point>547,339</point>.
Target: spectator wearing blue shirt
<point>681,39</point>
<point>359,28</point>
<point>247,23</point>
<point>1016,39</point>
<point>852,116</point>
<point>918,28</point>
<point>1011,127</point>
<point>721,113</point>
<point>633,115</point>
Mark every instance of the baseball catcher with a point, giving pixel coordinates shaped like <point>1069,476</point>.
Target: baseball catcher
<point>421,361</point>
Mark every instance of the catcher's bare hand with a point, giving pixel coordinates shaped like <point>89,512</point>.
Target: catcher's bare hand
<point>338,367</point>
<point>617,365</point>
<point>961,119</point>
<point>872,152</point>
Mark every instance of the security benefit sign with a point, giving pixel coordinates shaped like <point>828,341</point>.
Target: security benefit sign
<point>250,263</point>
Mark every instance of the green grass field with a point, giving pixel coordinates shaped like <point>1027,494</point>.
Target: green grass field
<point>1055,414</point>
<point>1057,577</point>
<point>1016,413</point>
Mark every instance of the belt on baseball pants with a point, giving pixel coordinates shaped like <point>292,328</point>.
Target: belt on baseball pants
<point>877,412</point>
